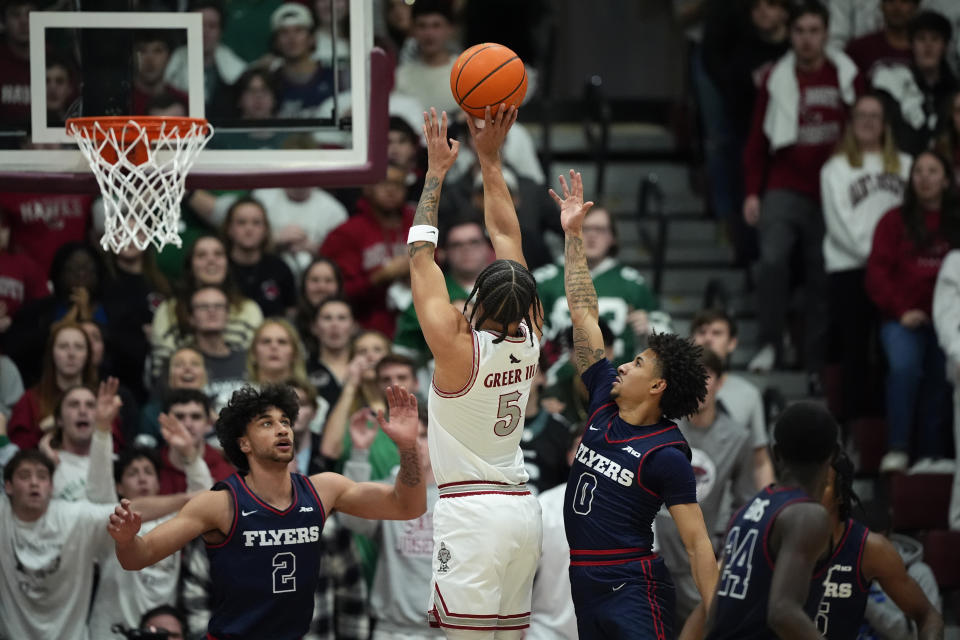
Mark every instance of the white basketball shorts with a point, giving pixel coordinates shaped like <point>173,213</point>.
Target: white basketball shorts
<point>486,545</point>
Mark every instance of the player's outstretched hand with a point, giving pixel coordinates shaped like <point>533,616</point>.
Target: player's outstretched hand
<point>124,523</point>
<point>488,139</point>
<point>572,207</point>
<point>441,150</point>
<point>404,425</point>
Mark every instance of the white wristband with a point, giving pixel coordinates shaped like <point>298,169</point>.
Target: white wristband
<point>423,233</point>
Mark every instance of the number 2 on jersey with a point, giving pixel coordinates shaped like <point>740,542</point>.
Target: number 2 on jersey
<point>284,566</point>
<point>508,413</point>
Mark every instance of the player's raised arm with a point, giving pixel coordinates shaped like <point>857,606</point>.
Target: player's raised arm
<point>581,294</point>
<point>407,498</point>
<point>500,216</point>
<point>206,512</point>
<point>439,320</point>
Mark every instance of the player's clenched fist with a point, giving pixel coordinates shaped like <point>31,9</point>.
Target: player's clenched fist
<point>124,522</point>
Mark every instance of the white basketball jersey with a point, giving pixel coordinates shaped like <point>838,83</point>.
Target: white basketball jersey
<point>474,433</point>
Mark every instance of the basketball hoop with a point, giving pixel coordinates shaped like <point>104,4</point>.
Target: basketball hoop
<point>141,164</point>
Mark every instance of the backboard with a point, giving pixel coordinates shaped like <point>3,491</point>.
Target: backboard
<point>334,134</point>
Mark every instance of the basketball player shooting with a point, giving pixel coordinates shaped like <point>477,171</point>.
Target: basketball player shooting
<point>262,525</point>
<point>632,460</point>
<point>487,528</point>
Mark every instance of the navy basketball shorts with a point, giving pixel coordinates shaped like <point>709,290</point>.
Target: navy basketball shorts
<point>633,601</point>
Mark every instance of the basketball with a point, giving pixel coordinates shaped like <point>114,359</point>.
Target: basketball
<point>488,74</point>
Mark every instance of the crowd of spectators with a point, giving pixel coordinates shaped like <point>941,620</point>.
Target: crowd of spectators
<point>849,184</point>
<point>114,367</point>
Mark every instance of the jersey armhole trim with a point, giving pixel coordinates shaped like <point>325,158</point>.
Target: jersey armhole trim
<point>773,519</point>
<point>236,516</point>
<point>837,550</point>
<point>474,369</point>
<point>316,496</point>
<point>644,457</point>
<point>598,410</point>
<point>862,581</point>
<point>734,517</point>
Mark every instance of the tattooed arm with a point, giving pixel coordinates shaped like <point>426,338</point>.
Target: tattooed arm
<point>407,498</point>
<point>581,294</point>
<point>440,321</point>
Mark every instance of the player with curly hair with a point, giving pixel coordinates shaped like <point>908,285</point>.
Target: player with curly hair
<point>632,460</point>
<point>262,525</point>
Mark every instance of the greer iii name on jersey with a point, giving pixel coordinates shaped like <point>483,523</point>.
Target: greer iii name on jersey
<point>512,376</point>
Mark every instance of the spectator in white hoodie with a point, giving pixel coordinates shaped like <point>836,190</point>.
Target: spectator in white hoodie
<point>863,180</point>
<point>946,321</point>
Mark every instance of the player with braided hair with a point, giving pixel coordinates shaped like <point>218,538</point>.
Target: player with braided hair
<point>505,290</point>
<point>839,590</point>
<point>632,460</point>
<point>487,526</point>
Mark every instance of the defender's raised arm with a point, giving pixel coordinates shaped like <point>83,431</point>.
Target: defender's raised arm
<point>581,294</point>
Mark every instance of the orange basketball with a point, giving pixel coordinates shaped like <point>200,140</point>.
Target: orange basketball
<point>488,74</point>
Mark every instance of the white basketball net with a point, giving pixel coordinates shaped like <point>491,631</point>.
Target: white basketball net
<point>141,201</point>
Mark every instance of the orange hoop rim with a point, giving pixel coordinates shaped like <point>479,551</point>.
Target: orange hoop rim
<point>152,125</point>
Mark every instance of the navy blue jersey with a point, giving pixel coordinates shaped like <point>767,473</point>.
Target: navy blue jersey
<point>621,476</point>
<point>838,590</point>
<point>743,589</point>
<point>265,573</point>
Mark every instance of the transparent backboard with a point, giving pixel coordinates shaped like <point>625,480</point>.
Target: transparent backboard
<point>281,118</point>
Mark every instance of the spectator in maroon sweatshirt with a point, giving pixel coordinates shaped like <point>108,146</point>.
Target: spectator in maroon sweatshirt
<point>801,108</point>
<point>909,245</point>
<point>371,249</point>
<point>890,45</point>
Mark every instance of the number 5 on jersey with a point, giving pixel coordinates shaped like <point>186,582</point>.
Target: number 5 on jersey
<point>508,413</point>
